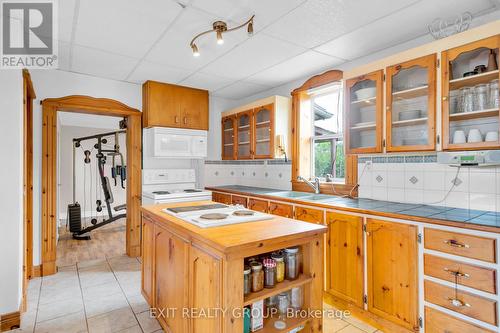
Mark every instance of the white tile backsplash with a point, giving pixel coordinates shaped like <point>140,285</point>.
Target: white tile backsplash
<point>430,183</point>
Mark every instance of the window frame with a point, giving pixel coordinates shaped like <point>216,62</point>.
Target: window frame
<point>300,157</point>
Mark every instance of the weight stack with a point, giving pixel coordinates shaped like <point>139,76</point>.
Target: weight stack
<point>74,217</point>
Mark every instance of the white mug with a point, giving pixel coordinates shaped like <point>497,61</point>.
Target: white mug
<point>491,136</point>
<point>459,136</point>
<point>474,135</point>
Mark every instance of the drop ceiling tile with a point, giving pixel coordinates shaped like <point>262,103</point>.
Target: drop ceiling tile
<point>65,14</point>
<point>239,90</point>
<point>307,63</point>
<point>238,11</point>
<point>208,82</point>
<point>256,54</point>
<point>397,28</point>
<point>319,21</point>
<point>100,63</point>
<point>63,56</point>
<point>157,72</point>
<point>127,27</point>
<point>174,50</point>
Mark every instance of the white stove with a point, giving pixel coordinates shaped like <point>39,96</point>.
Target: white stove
<point>171,185</point>
<point>215,215</point>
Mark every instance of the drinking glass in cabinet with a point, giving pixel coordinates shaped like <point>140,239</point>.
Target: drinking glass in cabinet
<point>362,117</point>
<point>244,135</point>
<point>493,95</point>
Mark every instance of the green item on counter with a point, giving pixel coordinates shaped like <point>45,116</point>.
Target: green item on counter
<point>246,320</point>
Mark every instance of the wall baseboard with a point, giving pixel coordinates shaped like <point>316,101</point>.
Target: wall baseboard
<point>10,321</point>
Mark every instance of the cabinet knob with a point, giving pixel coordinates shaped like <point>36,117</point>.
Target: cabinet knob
<point>457,273</point>
<point>458,303</point>
<point>445,98</point>
<point>185,120</point>
<point>176,119</point>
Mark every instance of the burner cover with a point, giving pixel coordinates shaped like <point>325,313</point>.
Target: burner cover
<point>243,213</point>
<point>214,216</point>
<point>161,192</point>
<point>192,191</point>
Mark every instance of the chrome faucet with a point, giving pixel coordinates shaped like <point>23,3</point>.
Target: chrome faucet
<point>314,186</point>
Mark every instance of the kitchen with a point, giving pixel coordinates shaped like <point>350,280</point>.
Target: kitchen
<point>284,174</point>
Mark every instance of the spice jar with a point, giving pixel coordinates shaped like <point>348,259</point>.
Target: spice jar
<point>296,298</point>
<point>283,304</point>
<point>269,273</point>
<point>247,283</point>
<point>292,263</point>
<point>257,276</point>
<point>280,266</point>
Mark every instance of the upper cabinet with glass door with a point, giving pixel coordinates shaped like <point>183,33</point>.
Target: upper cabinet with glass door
<point>228,135</point>
<point>244,133</point>
<point>364,103</point>
<point>470,95</point>
<point>411,105</point>
<point>263,131</point>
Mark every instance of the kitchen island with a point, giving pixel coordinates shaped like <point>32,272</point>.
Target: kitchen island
<point>193,277</point>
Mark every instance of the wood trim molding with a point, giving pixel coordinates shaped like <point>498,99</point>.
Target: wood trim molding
<point>98,106</point>
<point>9,321</point>
<point>37,271</point>
<point>319,80</point>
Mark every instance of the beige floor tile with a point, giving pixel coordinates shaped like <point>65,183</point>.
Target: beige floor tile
<point>121,260</point>
<point>104,304</point>
<point>59,309</point>
<point>83,265</point>
<point>148,324</point>
<point>332,325</point>
<point>351,329</point>
<point>113,321</point>
<point>360,324</point>
<point>28,320</point>
<point>67,268</point>
<point>35,284</point>
<point>131,288</point>
<point>91,279</point>
<point>138,303</point>
<point>101,290</point>
<point>134,329</point>
<point>74,323</point>
<point>52,294</point>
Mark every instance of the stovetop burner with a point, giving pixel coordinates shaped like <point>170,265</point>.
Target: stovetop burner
<point>161,192</point>
<point>192,191</point>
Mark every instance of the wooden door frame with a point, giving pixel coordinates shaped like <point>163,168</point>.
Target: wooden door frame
<point>28,97</point>
<point>97,106</point>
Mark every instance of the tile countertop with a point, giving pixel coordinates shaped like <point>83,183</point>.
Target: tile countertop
<point>467,218</point>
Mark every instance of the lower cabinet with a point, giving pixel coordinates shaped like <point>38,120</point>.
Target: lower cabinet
<point>392,272</point>
<point>280,209</point>
<point>309,214</point>
<point>439,322</point>
<point>221,197</point>
<point>205,290</point>
<point>345,257</point>
<point>237,200</point>
<point>148,232</point>
<point>171,270</point>
<point>258,205</point>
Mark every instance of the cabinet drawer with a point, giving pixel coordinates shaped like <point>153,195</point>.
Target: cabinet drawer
<point>280,209</point>
<point>467,275</point>
<point>237,200</point>
<point>440,322</point>
<point>474,247</point>
<point>258,205</point>
<point>221,197</point>
<point>471,305</point>
<point>309,214</point>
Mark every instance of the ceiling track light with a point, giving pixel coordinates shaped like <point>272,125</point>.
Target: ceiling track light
<point>220,27</point>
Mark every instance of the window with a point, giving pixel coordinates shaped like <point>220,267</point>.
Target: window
<point>328,159</point>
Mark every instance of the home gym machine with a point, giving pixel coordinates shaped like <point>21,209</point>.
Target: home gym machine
<point>117,171</point>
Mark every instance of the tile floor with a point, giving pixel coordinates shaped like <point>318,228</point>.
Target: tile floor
<point>103,295</point>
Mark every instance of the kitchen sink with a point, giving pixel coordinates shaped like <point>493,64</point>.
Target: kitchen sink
<point>291,194</point>
<point>318,197</point>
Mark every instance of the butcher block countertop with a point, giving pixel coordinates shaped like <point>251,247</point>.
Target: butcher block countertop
<point>236,237</point>
<point>456,217</point>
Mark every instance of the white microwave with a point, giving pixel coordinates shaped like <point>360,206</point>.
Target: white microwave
<point>177,142</point>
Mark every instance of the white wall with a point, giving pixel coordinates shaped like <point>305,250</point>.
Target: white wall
<point>217,106</point>
<point>11,183</point>
<point>84,181</point>
<point>53,84</point>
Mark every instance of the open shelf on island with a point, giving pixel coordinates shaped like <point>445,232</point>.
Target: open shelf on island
<point>409,122</point>
<point>410,93</point>
<point>474,114</point>
<point>280,287</point>
<point>291,323</point>
<point>472,80</point>
<point>367,101</point>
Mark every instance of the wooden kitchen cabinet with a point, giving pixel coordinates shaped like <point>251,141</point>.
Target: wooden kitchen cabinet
<point>411,105</point>
<point>345,257</point>
<point>309,214</point>
<point>364,114</point>
<point>221,197</point>
<point>258,205</point>
<point>168,105</point>
<point>206,288</point>
<point>228,138</point>
<point>392,265</point>
<point>237,200</point>
<point>461,108</point>
<point>280,209</point>
<point>244,135</point>
<point>263,129</point>
<point>147,259</point>
<point>171,257</point>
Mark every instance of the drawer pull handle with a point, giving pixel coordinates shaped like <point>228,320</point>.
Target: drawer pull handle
<point>458,303</point>
<point>454,243</point>
<point>457,273</point>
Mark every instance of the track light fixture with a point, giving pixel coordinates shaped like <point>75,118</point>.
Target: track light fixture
<point>220,27</point>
